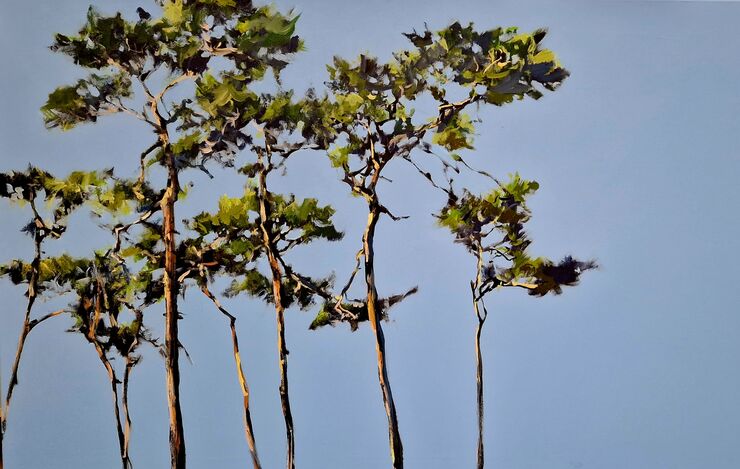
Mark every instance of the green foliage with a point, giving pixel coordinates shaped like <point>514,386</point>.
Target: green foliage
<point>84,101</point>
<point>503,208</point>
<point>183,41</point>
<point>253,283</point>
<point>492,227</point>
<point>354,312</point>
<point>61,196</point>
<point>250,35</point>
<point>104,289</point>
<point>455,133</point>
<point>291,219</point>
<point>225,96</point>
<point>368,119</point>
<point>235,242</point>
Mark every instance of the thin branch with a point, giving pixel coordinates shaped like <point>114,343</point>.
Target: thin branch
<point>358,258</point>
<point>528,286</point>
<point>38,321</point>
<point>142,165</point>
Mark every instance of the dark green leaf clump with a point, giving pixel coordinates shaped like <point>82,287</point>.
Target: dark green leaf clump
<point>354,312</point>
<point>104,290</point>
<point>84,101</point>
<point>492,227</point>
<point>230,241</point>
<point>61,196</point>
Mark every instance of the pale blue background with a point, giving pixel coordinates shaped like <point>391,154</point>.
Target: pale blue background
<point>637,156</point>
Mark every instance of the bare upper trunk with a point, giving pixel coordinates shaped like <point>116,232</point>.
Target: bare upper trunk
<point>248,430</point>
<point>479,381</point>
<point>372,304</point>
<point>277,276</point>
<point>114,391</point>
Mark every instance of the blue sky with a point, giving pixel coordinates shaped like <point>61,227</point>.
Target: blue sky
<point>637,157</point>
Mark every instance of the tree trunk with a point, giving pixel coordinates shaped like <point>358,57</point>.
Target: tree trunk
<point>32,293</point>
<point>283,355</point>
<point>248,430</point>
<point>171,342</point>
<point>114,390</point>
<point>91,337</point>
<point>481,316</point>
<point>280,314</point>
<point>372,304</point>
<point>479,380</point>
<point>126,415</point>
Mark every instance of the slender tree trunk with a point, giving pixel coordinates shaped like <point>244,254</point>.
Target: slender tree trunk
<point>114,390</point>
<point>372,309</point>
<point>479,381</point>
<point>248,430</point>
<point>283,356</point>
<point>124,404</point>
<point>91,337</point>
<point>277,276</point>
<point>171,342</point>
<point>481,316</point>
<point>32,293</point>
<point>19,352</point>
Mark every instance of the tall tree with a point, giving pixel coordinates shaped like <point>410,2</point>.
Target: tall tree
<point>61,197</point>
<point>190,133</point>
<point>491,227</point>
<point>370,119</point>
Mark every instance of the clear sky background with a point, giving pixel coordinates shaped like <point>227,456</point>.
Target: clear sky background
<point>637,156</point>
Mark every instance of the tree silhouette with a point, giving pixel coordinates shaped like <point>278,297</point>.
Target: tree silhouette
<point>43,273</point>
<point>370,121</point>
<point>160,54</point>
<point>491,227</point>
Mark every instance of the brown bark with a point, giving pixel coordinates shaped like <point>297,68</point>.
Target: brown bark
<point>248,430</point>
<point>171,342</point>
<point>394,435</point>
<point>280,315</point>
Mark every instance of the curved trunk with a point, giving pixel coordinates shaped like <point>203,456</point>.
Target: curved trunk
<point>171,342</point>
<point>248,430</point>
<point>27,326</point>
<point>394,435</point>
<point>277,276</point>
